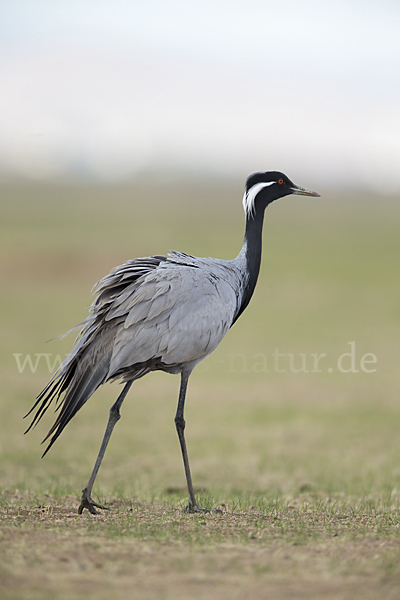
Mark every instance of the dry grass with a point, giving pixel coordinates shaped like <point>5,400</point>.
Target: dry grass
<point>304,549</point>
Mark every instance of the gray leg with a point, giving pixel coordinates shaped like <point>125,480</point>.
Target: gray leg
<point>180,427</point>
<point>114,417</point>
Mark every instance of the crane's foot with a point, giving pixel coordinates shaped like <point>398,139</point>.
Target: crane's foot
<point>90,504</point>
<point>193,508</point>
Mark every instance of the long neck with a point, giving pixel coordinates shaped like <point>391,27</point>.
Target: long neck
<point>251,255</point>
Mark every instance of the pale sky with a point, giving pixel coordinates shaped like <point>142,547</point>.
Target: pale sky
<point>112,89</point>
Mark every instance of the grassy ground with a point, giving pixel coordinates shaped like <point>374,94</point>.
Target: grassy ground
<point>303,465</point>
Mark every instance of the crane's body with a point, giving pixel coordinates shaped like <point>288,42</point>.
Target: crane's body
<point>160,313</point>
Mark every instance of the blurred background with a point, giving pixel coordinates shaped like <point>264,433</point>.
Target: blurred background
<point>105,90</point>
<point>128,129</point>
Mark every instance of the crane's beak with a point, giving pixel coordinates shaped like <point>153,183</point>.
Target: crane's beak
<point>303,191</point>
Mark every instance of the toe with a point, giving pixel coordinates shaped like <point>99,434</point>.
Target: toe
<point>193,508</point>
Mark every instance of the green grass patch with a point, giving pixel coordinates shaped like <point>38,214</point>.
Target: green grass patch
<point>301,458</point>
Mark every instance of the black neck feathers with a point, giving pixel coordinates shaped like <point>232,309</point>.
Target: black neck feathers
<point>252,247</point>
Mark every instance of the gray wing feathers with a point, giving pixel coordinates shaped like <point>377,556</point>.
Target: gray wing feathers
<point>160,312</point>
<point>178,315</point>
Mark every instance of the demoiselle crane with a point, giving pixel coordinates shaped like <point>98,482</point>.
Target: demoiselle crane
<point>162,313</point>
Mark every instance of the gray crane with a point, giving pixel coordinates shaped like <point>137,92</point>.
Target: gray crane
<point>162,313</point>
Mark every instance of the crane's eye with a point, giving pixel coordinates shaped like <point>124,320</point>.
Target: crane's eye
<point>280,181</point>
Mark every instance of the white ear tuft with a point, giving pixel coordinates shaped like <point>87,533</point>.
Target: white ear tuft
<point>249,197</point>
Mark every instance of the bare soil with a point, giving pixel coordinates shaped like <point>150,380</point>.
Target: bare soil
<point>144,550</point>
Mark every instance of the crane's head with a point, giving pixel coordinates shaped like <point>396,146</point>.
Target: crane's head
<point>262,188</point>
